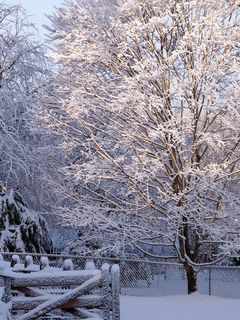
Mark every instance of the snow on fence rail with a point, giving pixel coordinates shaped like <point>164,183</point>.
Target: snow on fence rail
<point>38,291</point>
<point>153,278</point>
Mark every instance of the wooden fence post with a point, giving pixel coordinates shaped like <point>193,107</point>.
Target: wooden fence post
<point>90,265</point>
<point>44,263</point>
<point>15,260</point>
<point>106,291</point>
<point>8,289</point>
<point>67,265</point>
<point>28,261</point>
<point>115,274</point>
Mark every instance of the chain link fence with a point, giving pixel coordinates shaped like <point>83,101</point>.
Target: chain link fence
<point>145,278</point>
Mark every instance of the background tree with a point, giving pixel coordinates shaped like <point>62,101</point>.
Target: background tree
<point>146,105</point>
<point>23,71</point>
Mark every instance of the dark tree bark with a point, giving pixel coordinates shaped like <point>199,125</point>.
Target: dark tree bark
<point>191,279</point>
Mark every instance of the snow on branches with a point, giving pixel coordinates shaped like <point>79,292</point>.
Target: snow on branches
<point>148,116</point>
<point>21,229</point>
<point>22,72</point>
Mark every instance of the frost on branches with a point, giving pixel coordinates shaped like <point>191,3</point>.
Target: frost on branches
<point>21,229</point>
<point>148,116</point>
<point>22,72</point>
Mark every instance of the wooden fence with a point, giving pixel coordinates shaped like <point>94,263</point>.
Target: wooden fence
<point>33,291</point>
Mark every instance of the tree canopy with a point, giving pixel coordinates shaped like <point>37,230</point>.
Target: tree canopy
<point>148,115</point>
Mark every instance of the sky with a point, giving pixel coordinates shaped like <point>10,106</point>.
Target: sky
<point>36,9</point>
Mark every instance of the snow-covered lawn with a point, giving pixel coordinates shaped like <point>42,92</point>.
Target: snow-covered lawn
<point>196,306</point>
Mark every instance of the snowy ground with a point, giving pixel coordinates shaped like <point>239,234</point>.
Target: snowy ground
<point>196,306</point>
<point>222,282</point>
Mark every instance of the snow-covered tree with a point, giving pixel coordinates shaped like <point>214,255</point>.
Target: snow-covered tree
<point>148,115</point>
<point>92,242</point>
<point>23,70</point>
<point>21,229</point>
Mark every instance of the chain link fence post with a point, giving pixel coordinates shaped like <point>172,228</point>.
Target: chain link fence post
<point>209,281</point>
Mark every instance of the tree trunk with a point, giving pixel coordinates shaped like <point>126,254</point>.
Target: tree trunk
<point>191,279</point>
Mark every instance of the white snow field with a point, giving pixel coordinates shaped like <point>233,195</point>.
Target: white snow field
<point>181,307</point>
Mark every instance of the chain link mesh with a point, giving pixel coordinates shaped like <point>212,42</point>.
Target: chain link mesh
<point>145,278</point>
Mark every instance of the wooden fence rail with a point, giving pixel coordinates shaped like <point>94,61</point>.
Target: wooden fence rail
<point>36,291</point>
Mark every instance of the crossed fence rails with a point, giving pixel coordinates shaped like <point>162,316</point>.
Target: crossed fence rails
<point>151,278</point>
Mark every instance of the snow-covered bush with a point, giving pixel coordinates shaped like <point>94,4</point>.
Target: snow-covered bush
<point>21,229</point>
